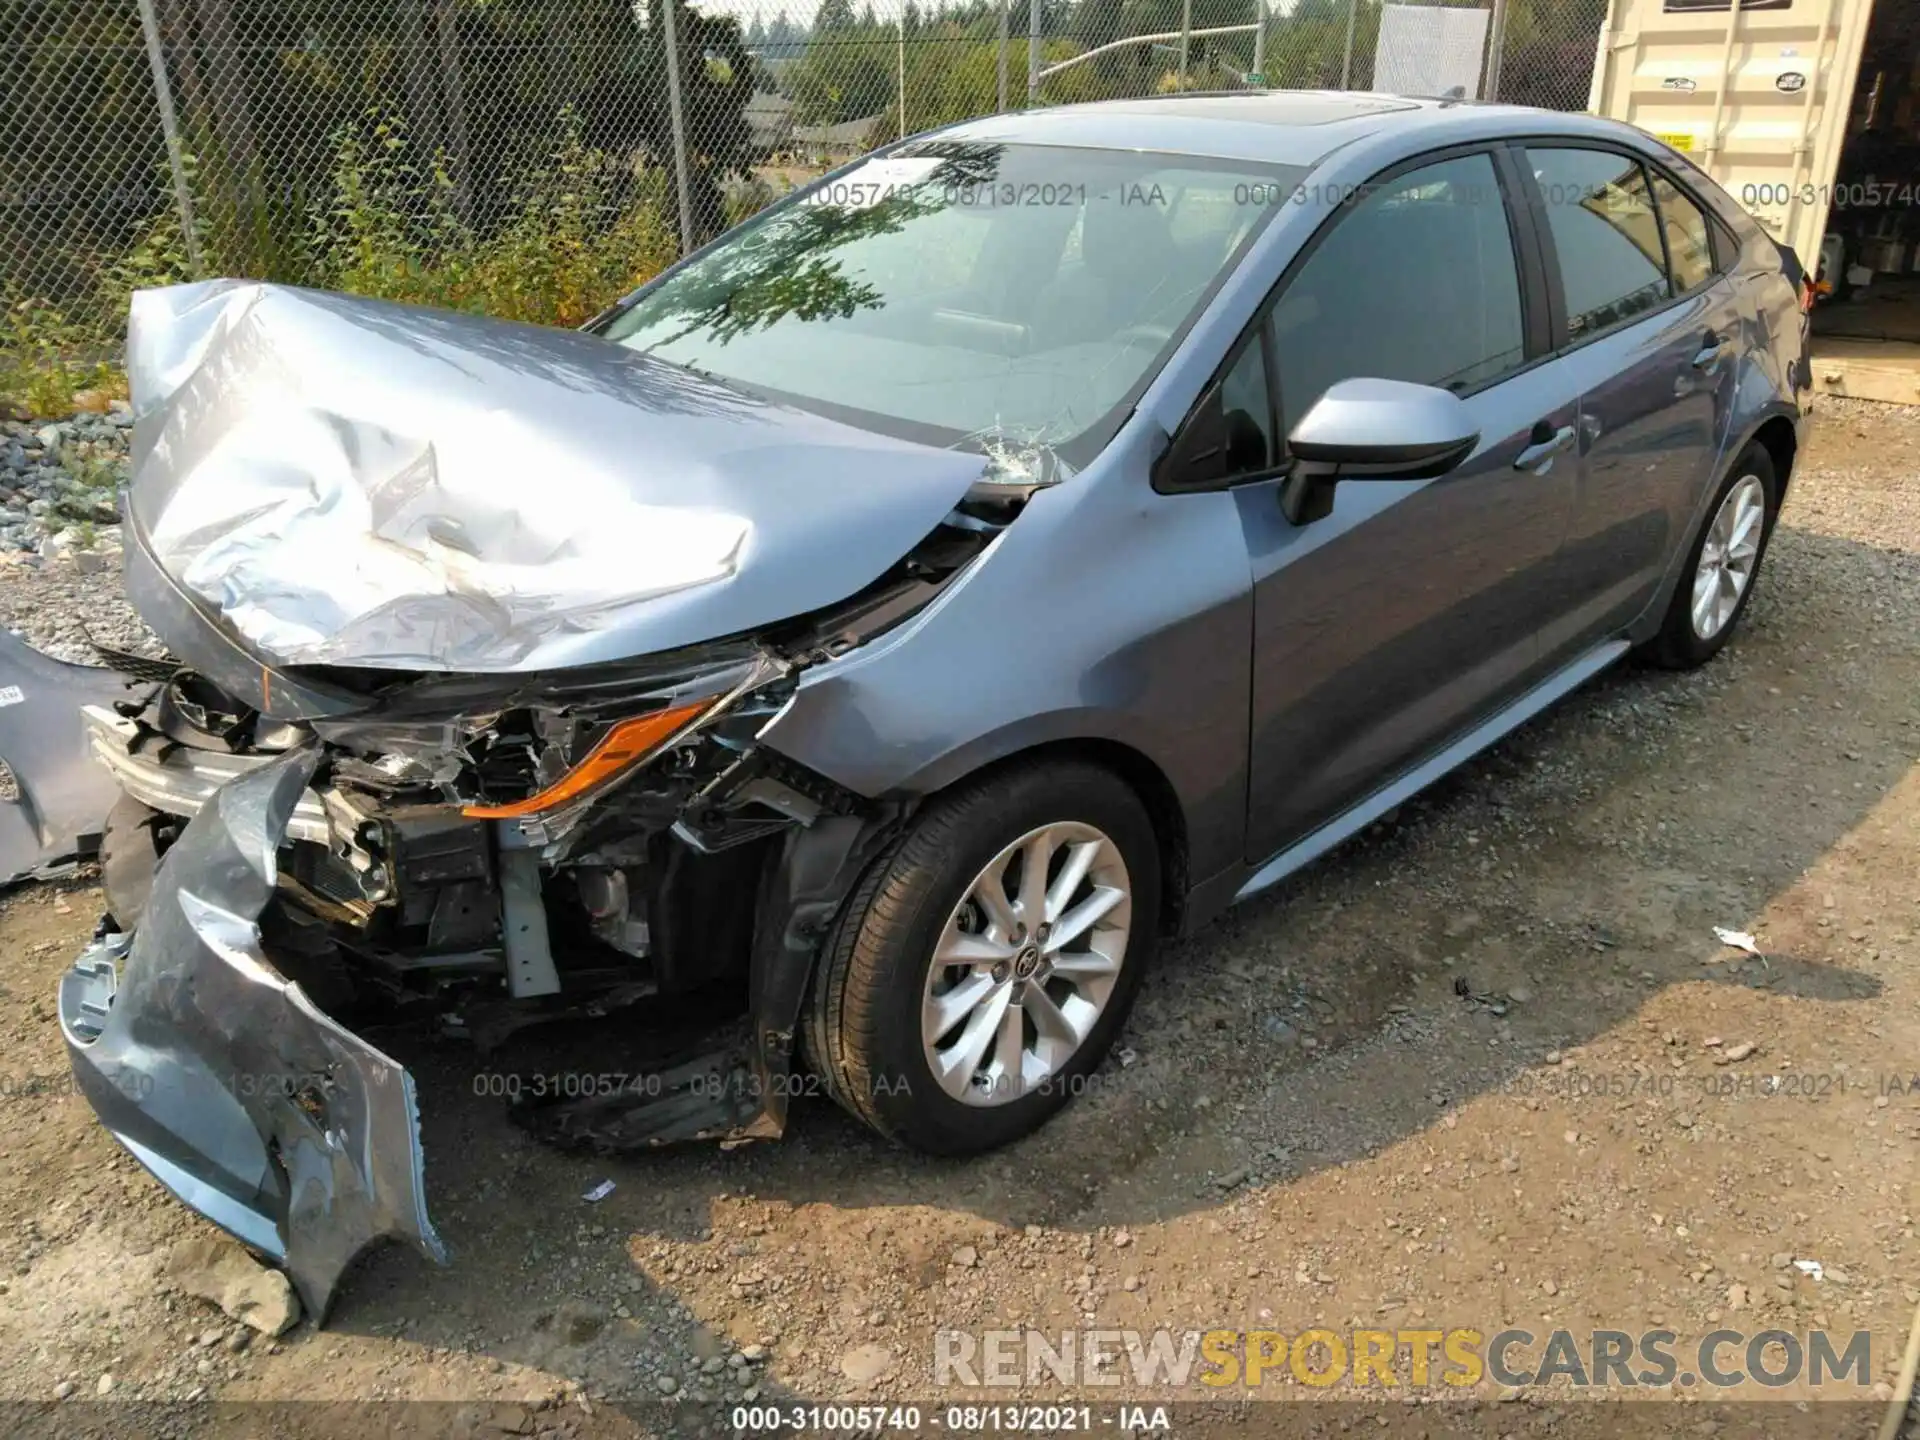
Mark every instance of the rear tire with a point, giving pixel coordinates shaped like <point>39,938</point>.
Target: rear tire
<point>1722,568</point>
<point>915,945</point>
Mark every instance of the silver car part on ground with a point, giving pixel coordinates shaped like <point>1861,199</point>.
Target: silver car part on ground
<point>1018,981</point>
<point>1728,555</point>
<point>222,1077</point>
<point>53,799</point>
<point>343,481</point>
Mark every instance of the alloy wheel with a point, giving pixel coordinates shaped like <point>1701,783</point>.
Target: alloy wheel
<point>1727,557</point>
<point>1026,963</point>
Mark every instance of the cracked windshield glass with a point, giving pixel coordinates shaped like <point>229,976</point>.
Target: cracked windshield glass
<point>1015,290</point>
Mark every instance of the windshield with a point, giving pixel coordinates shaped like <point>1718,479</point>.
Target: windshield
<point>981,289</point>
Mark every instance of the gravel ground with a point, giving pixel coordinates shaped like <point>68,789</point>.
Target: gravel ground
<point>1487,1066</point>
<point>60,484</point>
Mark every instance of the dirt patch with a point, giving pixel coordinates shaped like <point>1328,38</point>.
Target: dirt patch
<point>1487,1067</point>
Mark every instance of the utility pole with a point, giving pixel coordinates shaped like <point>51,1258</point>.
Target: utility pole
<point>170,129</point>
<point>1033,52</point>
<point>1006,8</point>
<point>677,116</point>
<point>1186,38</point>
<point>1496,46</point>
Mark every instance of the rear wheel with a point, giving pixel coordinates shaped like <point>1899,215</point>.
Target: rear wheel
<point>1721,568</point>
<point>982,968</point>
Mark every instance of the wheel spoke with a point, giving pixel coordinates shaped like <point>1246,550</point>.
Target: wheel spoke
<point>1083,917</point>
<point>1010,1051</point>
<point>1034,858</point>
<point>1048,1018</point>
<point>1730,587</point>
<point>1084,965</point>
<point>957,1066</point>
<point>1722,526</point>
<point>1744,541</point>
<point>1704,585</point>
<point>1080,860</point>
<point>960,948</point>
<point>948,1009</point>
<point>991,894</point>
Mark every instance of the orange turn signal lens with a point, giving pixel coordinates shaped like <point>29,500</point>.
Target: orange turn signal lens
<point>625,745</point>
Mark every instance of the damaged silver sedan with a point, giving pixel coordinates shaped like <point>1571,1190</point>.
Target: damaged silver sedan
<point>894,619</point>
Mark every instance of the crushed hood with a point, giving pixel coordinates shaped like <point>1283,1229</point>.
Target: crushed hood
<point>350,482</point>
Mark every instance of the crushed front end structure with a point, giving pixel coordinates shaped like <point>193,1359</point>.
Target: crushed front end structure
<point>477,628</point>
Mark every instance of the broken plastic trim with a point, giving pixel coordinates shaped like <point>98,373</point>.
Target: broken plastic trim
<point>223,1079</point>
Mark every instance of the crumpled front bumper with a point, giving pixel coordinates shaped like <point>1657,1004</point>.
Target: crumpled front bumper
<point>221,1076</point>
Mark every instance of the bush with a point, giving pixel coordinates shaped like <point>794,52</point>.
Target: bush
<point>582,230</point>
<point>43,369</point>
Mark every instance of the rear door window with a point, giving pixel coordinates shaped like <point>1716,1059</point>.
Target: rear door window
<point>1607,234</point>
<point>1689,241</point>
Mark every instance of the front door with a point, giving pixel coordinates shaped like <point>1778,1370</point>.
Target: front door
<point>1413,609</point>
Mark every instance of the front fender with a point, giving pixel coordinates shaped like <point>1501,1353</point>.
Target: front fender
<point>1105,612</point>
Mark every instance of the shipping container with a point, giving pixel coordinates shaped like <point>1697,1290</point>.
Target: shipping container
<point>1808,112</point>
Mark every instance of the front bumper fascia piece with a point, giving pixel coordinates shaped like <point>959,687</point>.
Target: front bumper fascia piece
<point>223,1079</point>
<point>179,780</point>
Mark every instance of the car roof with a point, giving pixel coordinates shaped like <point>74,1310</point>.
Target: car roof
<point>1288,127</point>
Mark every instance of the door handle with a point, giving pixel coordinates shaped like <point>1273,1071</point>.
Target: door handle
<point>1538,457</point>
<point>1712,347</point>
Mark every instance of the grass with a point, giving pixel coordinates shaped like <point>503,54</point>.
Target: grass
<point>43,366</point>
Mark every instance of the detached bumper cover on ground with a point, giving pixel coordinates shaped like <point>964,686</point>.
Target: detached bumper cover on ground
<point>52,796</point>
<point>223,1079</point>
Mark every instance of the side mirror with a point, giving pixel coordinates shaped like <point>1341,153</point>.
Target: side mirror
<point>1373,430</point>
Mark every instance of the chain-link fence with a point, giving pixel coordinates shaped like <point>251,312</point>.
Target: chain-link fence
<point>536,158</point>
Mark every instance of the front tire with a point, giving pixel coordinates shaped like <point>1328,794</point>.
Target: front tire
<point>981,968</point>
<point>1722,565</point>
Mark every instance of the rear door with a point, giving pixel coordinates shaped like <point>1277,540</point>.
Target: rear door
<point>1653,334</point>
<point>1391,624</point>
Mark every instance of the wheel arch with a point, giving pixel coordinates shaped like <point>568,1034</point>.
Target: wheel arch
<point>819,872</point>
<point>1777,436</point>
<point>1776,432</point>
<point>1141,775</point>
